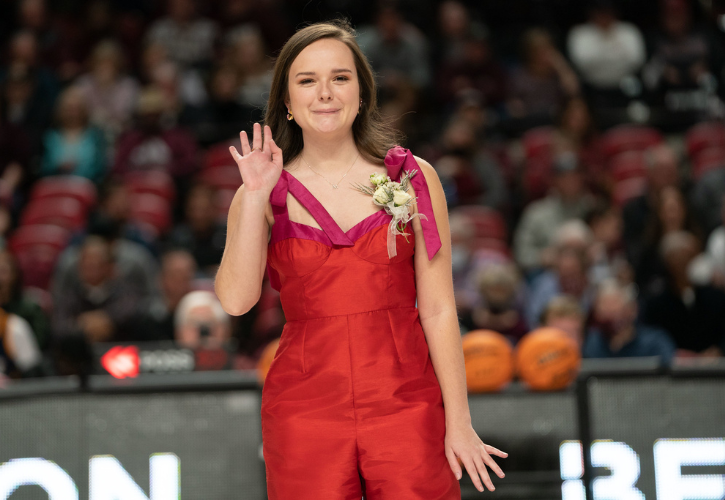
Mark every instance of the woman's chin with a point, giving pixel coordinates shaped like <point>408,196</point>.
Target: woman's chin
<point>328,126</point>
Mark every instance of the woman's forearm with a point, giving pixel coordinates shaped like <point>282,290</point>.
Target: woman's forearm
<point>239,278</point>
<point>444,343</point>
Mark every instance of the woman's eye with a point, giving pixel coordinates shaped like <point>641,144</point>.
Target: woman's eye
<point>344,78</point>
<point>306,81</point>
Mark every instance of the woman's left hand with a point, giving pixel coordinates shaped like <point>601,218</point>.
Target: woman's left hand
<point>463,443</point>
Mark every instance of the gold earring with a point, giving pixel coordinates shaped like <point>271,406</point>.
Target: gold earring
<point>289,116</point>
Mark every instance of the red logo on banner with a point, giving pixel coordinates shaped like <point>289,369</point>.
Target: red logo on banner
<point>121,362</point>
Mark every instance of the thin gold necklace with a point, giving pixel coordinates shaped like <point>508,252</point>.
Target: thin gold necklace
<point>341,178</point>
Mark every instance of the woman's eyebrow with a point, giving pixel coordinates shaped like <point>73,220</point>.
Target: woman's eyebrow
<point>312,73</point>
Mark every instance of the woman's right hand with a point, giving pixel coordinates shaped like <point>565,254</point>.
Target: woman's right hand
<point>261,163</point>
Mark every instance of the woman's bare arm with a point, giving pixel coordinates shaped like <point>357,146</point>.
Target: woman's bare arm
<point>238,282</point>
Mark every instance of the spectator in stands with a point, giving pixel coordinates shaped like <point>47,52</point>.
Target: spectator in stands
<point>13,300</point>
<point>662,171</point>
<point>569,274</point>
<point>476,69</point>
<point>716,251</point>
<point>76,146</point>
<point>672,214</point>
<point>501,306</point>
<point>252,67</point>
<point>691,314</point>
<point>157,69</point>
<point>577,132</point>
<point>681,54</point>
<point>707,196</point>
<point>472,173</point>
<point>397,51</point>
<point>15,156</point>
<point>541,85</point>
<point>29,88</point>
<point>200,321</point>
<point>132,262</point>
<point>111,95</point>
<point>606,51</point>
<point>606,252</point>
<point>616,334</point>
<point>178,269</point>
<point>19,352</point>
<point>113,214</point>
<point>98,303</point>
<point>188,38</point>
<point>564,313</point>
<point>541,219</point>
<point>240,14</point>
<point>222,116</point>
<point>454,27</point>
<point>201,233</point>
<point>150,146</point>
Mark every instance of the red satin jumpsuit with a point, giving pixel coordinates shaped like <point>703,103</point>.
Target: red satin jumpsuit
<point>351,405</point>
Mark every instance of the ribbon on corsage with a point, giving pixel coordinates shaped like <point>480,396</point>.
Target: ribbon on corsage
<point>395,198</point>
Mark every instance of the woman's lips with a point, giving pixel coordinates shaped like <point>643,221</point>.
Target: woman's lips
<point>326,111</point>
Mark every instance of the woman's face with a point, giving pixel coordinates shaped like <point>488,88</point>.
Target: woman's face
<point>324,92</point>
<point>672,209</point>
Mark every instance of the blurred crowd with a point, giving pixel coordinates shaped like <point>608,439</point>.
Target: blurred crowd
<point>581,147</point>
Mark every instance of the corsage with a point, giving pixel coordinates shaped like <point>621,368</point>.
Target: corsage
<point>394,197</point>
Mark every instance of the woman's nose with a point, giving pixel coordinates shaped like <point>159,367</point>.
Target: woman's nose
<point>325,94</point>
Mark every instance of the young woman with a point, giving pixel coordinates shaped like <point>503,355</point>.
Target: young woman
<point>367,392</point>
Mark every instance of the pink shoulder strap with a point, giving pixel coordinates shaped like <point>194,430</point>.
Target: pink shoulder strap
<point>398,159</point>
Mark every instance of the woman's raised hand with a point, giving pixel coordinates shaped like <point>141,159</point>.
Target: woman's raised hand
<point>261,163</point>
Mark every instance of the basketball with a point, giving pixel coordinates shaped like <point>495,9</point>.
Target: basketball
<point>265,360</point>
<point>547,359</point>
<point>489,361</point>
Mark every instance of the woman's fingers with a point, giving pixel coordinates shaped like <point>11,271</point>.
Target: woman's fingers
<point>483,472</point>
<point>267,136</point>
<point>495,451</point>
<point>235,154</point>
<point>276,153</point>
<point>453,462</point>
<point>492,464</point>
<point>257,137</point>
<point>245,143</point>
<point>471,469</point>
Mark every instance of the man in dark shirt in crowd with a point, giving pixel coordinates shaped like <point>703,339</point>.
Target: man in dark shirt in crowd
<point>692,314</point>
<point>615,333</point>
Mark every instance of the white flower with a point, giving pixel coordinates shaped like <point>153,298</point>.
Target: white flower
<point>400,197</point>
<point>392,185</point>
<point>381,195</point>
<point>378,179</point>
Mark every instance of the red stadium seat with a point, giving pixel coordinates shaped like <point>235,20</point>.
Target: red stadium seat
<point>223,200</point>
<point>488,222</point>
<point>537,178</point>
<point>704,136</point>
<point>624,138</point>
<point>68,186</point>
<point>218,155</point>
<point>153,182</point>
<point>628,189</point>
<point>492,245</point>
<point>222,177</point>
<point>538,142</point>
<point>37,265</point>
<point>65,212</point>
<point>150,210</point>
<point>25,237</point>
<point>708,159</point>
<point>628,165</point>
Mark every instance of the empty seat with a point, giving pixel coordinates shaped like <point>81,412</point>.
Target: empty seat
<point>153,182</point>
<point>222,177</point>
<point>624,138</point>
<point>65,212</point>
<point>704,136</point>
<point>70,186</point>
<point>628,165</point>
<point>151,210</point>
<point>28,236</point>
<point>489,223</point>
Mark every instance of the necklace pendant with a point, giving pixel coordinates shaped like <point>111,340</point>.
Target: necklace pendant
<point>335,186</point>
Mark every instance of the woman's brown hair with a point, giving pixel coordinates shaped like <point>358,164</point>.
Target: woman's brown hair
<point>373,137</point>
